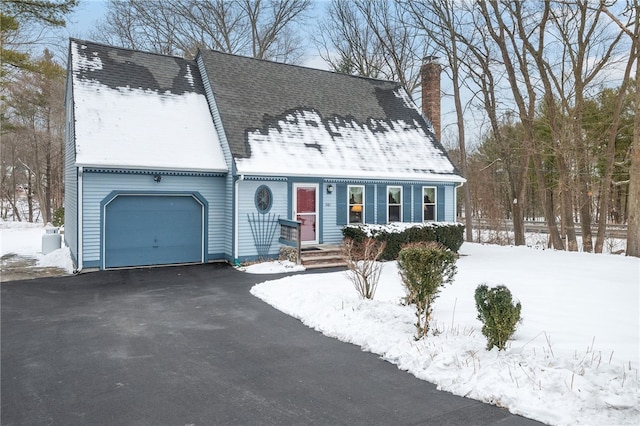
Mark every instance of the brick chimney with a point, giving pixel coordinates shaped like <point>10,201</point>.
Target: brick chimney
<point>430,75</point>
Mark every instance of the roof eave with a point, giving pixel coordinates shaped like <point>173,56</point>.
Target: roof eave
<point>152,168</point>
<point>449,178</point>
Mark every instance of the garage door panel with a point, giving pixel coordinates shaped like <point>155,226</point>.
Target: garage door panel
<point>153,230</point>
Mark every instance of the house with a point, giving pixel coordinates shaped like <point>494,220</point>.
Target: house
<point>170,160</point>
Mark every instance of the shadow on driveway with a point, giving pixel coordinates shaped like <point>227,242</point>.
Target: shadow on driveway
<point>189,345</point>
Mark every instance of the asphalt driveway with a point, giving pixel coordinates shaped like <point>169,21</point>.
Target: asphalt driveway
<point>189,345</point>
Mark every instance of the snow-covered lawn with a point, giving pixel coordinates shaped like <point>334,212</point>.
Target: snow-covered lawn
<point>573,360</point>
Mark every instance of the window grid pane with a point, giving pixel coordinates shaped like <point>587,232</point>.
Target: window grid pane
<point>394,204</point>
<point>429,204</point>
<point>356,204</point>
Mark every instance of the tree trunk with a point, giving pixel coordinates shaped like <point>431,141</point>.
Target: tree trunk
<point>46,192</point>
<point>29,190</point>
<point>633,206</point>
<point>555,239</point>
<point>567,204</point>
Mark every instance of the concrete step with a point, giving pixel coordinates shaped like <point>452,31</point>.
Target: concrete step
<point>322,257</point>
<point>325,265</point>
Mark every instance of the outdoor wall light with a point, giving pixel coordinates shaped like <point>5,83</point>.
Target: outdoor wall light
<point>329,189</point>
<point>157,178</point>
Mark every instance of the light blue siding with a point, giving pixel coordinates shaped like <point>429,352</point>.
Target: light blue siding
<point>450,196</point>
<point>331,232</point>
<point>227,203</point>
<point>247,212</point>
<point>70,177</point>
<point>97,186</point>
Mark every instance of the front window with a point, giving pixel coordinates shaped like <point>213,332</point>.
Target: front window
<point>394,203</point>
<point>428,204</point>
<point>356,204</point>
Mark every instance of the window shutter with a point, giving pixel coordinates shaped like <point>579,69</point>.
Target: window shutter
<point>382,204</point>
<point>369,204</point>
<point>341,204</point>
<point>417,203</point>
<point>440,206</point>
<point>406,203</point>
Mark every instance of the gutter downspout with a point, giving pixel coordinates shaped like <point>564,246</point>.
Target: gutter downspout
<point>80,220</point>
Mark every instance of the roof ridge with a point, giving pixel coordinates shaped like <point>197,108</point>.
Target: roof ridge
<point>297,66</point>
<point>128,49</point>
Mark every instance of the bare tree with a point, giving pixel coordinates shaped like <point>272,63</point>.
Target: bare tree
<point>372,39</point>
<point>631,29</point>
<point>585,45</point>
<point>501,22</point>
<point>510,154</point>
<point>263,29</point>
<point>443,25</point>
<point>347,43</point>
<point>34,113</point>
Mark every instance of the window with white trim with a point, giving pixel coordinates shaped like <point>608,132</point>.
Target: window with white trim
<point>429,194</point>
<point>355,195</point>
<point>394,204</point>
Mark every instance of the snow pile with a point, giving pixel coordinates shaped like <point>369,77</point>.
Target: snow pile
<point>573,360</point>
<point>25,239</point>
<point>273,267</point>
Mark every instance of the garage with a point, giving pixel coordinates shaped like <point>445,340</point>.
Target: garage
<point>142,229</point>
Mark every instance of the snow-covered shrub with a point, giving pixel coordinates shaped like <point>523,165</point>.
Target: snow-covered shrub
<point>396,235</point>
<point>498,313</point>
<point>364,270</point>
<point>58,217</point>
<point>424,268</point>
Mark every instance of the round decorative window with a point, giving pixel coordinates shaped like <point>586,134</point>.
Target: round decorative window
<point>264,199</point>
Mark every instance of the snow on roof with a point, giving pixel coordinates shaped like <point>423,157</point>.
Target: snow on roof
<point>282,119</point>
<point>164,123</point>
<point>303,143</point>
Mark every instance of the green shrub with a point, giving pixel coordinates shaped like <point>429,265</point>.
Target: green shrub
<point>424,268</point>
<point>450,235</point>
<point>355,233</point>
<point>58,217</point>
<point>498,314</point>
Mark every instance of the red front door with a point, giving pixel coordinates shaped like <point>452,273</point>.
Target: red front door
<point>306,212</point>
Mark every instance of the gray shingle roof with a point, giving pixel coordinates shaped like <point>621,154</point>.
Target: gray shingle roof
<point>254,94</point>
<point>140,110</point>
<point>138,70</point>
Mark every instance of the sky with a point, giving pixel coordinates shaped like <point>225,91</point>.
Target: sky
<point>84,18</point>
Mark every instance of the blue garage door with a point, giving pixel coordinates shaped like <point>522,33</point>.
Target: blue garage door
<point>153,230</point>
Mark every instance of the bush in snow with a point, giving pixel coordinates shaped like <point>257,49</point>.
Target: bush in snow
<point>364,270</point>
<point>424,268</point>
<point>498,314</point>
<point>397,235</point>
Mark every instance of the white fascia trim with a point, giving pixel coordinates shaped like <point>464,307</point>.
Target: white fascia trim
<point>152,168</point>
<point>362,176</point>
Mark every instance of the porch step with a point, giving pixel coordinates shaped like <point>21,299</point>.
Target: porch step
<point>322,257</point>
